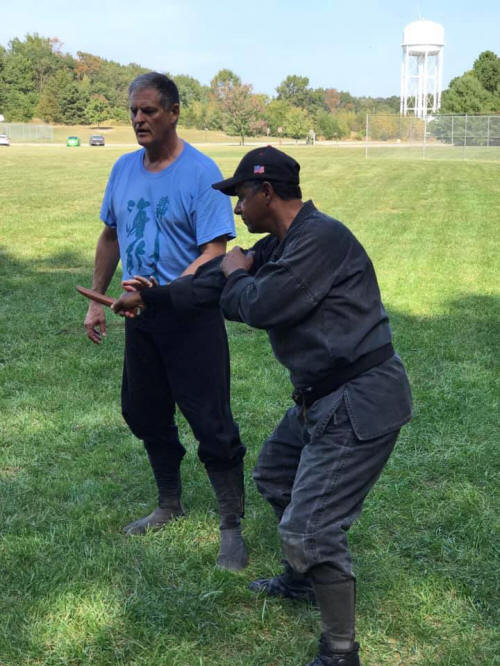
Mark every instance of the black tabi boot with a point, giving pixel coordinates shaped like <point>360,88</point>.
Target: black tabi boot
<point>228,485</point>
<point>169,506</point>
<point>335,595</point>
<point>328,658</point>
<point>290,585</point>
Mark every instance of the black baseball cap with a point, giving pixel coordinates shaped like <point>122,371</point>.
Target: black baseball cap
<point>266,163</point>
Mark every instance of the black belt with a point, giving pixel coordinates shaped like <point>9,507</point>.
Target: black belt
<point>309,394</point>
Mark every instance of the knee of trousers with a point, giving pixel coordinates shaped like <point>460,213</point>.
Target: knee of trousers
<point>275,492</point>
<point>150,429</point>
<point>304,550</point>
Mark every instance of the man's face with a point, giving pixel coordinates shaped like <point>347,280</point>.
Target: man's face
<point>251,205</point>
<point>152,124</point>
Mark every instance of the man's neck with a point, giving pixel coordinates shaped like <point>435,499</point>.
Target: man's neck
<point>156,158</point>
<point>285,214</point>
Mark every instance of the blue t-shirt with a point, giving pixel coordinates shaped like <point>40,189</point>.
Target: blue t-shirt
<point>162,218</point>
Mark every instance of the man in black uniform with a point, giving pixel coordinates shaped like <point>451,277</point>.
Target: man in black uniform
<point>312,286</point>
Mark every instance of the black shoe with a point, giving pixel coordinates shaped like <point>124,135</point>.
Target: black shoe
<point>155,521</point>
<point>289,585</point>
<point>233,553</point>
<point>230,492</point>
<point>328,658</point>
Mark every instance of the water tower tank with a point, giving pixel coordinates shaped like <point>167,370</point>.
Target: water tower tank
<point>422,68</point>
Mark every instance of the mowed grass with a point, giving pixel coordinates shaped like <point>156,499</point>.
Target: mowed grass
<point>74,590</point>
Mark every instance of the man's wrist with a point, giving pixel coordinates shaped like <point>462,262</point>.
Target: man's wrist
<point>236,274</point>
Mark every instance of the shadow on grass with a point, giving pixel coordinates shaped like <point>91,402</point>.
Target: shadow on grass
<point>75,590</point>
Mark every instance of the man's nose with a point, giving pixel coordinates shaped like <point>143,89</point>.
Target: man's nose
<point>139,116</point>
<point>237,208</point>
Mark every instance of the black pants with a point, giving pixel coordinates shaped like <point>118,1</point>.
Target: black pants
<point>170,359</point>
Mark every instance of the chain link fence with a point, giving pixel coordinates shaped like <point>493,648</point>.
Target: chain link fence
<point>27,132</point>
<point>468,137</point>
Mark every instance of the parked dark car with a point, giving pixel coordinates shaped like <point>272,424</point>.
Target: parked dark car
<point>96,140</point>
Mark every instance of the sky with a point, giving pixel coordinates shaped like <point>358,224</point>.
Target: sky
<point>352,45</point>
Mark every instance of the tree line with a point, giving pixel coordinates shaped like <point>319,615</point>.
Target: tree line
<point>477,90</point>
<point>39,81</point>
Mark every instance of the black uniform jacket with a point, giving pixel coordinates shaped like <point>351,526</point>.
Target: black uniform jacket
<point>316,294</point>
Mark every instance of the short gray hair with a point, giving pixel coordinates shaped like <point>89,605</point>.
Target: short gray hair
<point>166,88</point>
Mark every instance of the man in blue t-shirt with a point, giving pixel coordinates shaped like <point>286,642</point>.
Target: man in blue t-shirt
<point>163,220</point>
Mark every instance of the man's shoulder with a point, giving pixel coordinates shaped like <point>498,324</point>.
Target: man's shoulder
<point>128,160</point>
<point>321,234</point>
<point>199,162</point>
<point>322,225</point>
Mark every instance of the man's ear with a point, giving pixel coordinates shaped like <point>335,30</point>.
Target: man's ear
<point>175,109</point>
<point>268,191</point>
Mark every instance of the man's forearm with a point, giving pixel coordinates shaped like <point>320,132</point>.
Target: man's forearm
<point>106,260</point>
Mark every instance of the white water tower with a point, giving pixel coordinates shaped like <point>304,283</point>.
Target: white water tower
<point>422,68</point>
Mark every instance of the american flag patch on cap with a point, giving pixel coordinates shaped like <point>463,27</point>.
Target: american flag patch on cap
<point>258,169</point>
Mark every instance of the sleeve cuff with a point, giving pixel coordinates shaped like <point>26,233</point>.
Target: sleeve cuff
<point>235,276</point>
<point>177,295</point>
<point>230,298</point>
<point>157,297</point>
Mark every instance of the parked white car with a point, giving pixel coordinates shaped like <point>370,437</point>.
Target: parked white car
<point>4,140</point>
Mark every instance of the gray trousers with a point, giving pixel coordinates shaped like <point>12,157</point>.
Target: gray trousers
<point>316,473</point>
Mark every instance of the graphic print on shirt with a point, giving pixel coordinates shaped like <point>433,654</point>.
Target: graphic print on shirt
<point>136,247</point>
<point>161,209</point>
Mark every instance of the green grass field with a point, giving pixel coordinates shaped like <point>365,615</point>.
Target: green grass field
<point>75,591</point>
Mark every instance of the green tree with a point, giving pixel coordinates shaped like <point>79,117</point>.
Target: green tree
<point>27,66</point>
<point>42,57</point>
<point>190,89</point>
<point>330,126</point>
<point>240,110</point>
<point>466,95</point>
<point>275,114</point>
<point>73,102</point>
<point>63,99</point>
<point>295,91</point>
<point>19,96</point>
<point>297,123</point>
<point>223,82</point>
<point>347,101</point>
<point>212,116</point>
<point>97,110</point>
<point>487,71</point>
<point>30,69</point>
<point>3,56</point>
<point>203,115</point>
<point>19,106</point>
<point>111,80</point>
<point>48,107</point>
